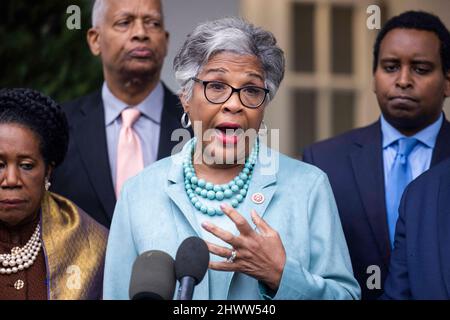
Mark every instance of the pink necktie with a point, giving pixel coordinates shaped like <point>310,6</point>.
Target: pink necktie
<point>130,160</point>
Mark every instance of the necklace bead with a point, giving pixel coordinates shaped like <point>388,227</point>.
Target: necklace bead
<point>209,186</point>
<point>228,193</point>
<point>233,191</point>
<point>219,195</point>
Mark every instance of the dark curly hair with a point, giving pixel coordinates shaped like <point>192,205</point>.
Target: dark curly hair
<point>41,115</point>
<point>418,20</point>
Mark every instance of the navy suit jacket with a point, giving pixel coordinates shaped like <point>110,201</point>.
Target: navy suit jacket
<point>354,164</point>
<point>85,175</point>
<point>420,262</point>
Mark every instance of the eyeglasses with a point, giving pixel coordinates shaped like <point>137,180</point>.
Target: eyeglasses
<point>219,92</point>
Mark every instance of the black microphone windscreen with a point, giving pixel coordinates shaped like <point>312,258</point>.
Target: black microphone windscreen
<point>153,277</point>
<point>192,259</point>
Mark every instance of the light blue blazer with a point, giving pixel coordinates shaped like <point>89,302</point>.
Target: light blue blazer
<point>155,213</point>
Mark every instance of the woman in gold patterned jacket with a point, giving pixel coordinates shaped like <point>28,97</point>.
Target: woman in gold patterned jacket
<point>49,248</point>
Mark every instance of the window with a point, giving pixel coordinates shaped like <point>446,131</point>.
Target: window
<point>328,85</point>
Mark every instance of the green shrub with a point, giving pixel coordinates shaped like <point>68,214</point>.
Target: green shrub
<point>38,51</point>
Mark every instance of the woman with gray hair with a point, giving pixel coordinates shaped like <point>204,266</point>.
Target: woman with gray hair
<point>270,222</point>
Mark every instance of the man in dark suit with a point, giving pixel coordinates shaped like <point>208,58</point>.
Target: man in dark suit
<point>130,38</point>
<point>367,167</point>
<point>420,261</point>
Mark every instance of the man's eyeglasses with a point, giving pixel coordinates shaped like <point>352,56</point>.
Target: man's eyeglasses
<point>219,92</point>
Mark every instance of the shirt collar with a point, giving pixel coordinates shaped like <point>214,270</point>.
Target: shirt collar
<point>151,107</point>
<point>426,136</point>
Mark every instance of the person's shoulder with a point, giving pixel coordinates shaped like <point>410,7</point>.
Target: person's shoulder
<point>152,175</point>
<point>97,231</point>
<point>431,190</point>
<point>160,166</point>
<point>93,229</point>
<point>72,107</point>
<point>169,92</point>
<point>341,143</point>
<point>431,178</point>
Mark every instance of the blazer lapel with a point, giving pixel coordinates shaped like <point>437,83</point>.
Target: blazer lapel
<point>90,138</point>
<point>444,227</point>
<point>177,193</point>
<point>442,148</point>
<point>263,185</point>
<point>367,162</point>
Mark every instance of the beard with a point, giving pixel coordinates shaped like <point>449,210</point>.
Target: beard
<point>411,123</point>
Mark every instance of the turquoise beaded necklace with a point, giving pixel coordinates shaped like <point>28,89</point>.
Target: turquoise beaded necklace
<point>234,191</point>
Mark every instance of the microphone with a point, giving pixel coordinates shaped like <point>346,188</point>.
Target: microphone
<point>191,264</point>
<point>153,277</point>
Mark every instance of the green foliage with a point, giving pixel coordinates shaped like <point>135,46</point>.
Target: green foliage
<point>38,51</point>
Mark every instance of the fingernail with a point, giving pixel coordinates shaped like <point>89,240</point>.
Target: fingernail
<point>205,224</point>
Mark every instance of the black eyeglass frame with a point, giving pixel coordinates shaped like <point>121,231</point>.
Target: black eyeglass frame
<point>233,90</point>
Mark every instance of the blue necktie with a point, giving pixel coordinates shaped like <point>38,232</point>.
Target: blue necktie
<point>398,178</point>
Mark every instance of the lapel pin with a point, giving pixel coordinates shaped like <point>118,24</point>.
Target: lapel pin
<point>258,198</point>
